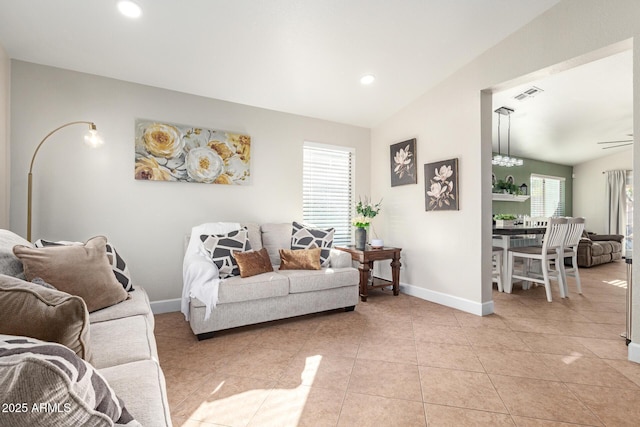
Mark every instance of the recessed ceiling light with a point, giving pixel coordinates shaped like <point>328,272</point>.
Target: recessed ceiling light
<point>368,79</point>
<point>129,9</point>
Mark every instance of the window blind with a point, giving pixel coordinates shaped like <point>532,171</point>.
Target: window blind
<point>547,196</point>
<point>327,190</point>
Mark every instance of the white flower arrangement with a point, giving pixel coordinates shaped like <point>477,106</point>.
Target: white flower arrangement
<point>361,221</point>
<point>366,212</point>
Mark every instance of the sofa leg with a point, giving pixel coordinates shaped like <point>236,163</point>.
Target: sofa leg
<point>204,336</point>
<point>350,308</point>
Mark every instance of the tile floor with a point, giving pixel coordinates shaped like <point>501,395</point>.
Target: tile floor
<point>402,361</point>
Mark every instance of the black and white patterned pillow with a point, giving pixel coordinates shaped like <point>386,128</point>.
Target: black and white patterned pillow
<point>220,248</point>
<point>303,237</point>
<point>119,267</point>
<point>63,378</point>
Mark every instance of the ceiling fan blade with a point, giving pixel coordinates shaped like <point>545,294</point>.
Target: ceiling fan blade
<point>614,142</point>
<point>617,146</point>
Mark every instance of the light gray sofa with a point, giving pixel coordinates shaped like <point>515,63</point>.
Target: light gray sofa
<point>124,352</point>
<point>120,338</point>
<point>279,294</point>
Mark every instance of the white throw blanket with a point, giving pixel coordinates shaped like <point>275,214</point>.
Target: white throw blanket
<point>199,274</point>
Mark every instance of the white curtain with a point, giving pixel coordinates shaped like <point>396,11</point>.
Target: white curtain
<point>616,202</point>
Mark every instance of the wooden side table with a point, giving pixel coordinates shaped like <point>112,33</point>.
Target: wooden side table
<point>365,259</point>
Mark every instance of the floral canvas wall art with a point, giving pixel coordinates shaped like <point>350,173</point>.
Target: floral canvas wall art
<point>403,163</point>
<point>171,152</point>
<point>441,185</point>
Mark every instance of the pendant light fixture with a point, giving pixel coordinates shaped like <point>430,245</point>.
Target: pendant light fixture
<point>499,159</point>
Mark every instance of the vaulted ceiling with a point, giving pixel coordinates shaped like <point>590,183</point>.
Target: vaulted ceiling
<point>574,111</point>
<point>306,57</point>
<point>298,56</point>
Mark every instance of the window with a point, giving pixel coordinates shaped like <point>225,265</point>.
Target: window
<point>327,199</point>
<point>547,196</point>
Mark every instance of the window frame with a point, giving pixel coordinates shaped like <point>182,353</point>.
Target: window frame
<point>563,194</point>
<point>344,227</point>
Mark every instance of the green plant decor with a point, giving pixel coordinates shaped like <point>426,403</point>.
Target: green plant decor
<point>504,217</point>
<point>504,185</point>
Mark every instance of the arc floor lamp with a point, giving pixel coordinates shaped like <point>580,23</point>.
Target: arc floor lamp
<point>91,138</point>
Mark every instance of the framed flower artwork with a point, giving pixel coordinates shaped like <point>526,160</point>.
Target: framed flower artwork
<point>403,163</point>
<point>441,185</point>
<point>171,152</point>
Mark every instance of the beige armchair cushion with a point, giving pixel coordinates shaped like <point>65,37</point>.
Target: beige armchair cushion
<point>31,310</point>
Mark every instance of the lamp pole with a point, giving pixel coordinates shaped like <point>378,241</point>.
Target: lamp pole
<point>91,139</point>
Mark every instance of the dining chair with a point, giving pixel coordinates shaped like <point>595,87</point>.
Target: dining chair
<point>548,254</point>
<point>539,221</point>
<point>575,227</point>
<point>496,272</point>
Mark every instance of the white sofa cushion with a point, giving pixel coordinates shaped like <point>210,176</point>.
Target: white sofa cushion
<point>255,235</point>
<point>316,280</point>
<point>276,237</point>
<point>237,289</point>
<point>141,385</point>
<point>137,304</point>
<point>122,341</point>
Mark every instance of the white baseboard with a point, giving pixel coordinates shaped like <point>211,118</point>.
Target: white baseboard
<point>165,306</point>
<point>171,305</point>
<point>634,352</point>
<point>448,300</point>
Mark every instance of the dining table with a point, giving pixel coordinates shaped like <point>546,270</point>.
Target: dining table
<point>505,234</point>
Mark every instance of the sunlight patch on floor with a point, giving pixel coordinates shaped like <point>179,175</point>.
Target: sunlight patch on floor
<point>275,407</point>
<point>616,282</point>
<point>569,359</point>
<point>283,407</point>
<point>230,409</point>
<point>311,366</point>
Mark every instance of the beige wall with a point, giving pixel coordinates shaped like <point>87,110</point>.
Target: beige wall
<point>5,170</point>
<point>589,188</point>
<point>446,255</point>
<point>80,192</point>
